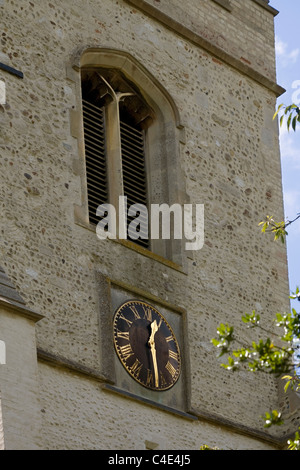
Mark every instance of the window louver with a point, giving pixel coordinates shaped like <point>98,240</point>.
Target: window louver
<point>94,139</point>
<point>134,177</point>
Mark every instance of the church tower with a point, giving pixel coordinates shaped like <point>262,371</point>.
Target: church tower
<point>138,155</point>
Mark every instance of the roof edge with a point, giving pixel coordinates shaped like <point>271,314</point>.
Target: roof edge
<point>266,6</point>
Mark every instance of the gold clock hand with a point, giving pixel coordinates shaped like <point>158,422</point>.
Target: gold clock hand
<point>151,342</point>
<point>154,329</point>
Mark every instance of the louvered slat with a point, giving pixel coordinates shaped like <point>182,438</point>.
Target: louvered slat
<point>134,176</point>
<point>133,163</point>
<point>94,139</point>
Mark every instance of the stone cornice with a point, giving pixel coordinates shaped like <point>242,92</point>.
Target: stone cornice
<point>19,309</point>
<point>10,299</point>
<point>265,4</point>
<point>200,41</point>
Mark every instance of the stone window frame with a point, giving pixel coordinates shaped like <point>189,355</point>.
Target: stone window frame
<point>162,145</point>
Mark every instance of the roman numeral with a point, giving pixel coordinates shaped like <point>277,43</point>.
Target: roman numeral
<point>135,312</point>
<point>123,335</point>
<point>169,338</point>
<point>126,351</point>
<point>173,355</point>
<point>149,381</point>
<point>171,369</point>
<point>163,382</point>
<point>129,323</point>
<point>136,368</point>
<point>148,313</point>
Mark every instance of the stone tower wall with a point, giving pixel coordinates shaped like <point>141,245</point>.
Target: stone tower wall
<point>216,61</point>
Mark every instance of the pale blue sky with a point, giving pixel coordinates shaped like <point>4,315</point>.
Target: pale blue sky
<point>288,76</point>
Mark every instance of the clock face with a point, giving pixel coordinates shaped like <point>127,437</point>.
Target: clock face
<point>146,345</point>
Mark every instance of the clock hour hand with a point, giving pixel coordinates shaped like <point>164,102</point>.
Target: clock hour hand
<point>154,329</point>
<point>151,342</point>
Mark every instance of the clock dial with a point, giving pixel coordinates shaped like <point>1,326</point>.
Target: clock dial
<point>146,345</point>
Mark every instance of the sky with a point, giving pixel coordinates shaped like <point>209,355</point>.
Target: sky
<point>288,76</point>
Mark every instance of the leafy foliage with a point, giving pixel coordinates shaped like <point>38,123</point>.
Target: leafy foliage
<point>205,447</point>
<point>283,358</point>
<point>278,228</point>
<point>294,444</point>
<point>291,112</point>
<point>296,295</point>
<point>263,355</point>
<point>279,359</point>
<point>273,418</point>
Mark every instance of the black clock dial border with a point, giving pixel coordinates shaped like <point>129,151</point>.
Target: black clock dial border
<point>130,314</point>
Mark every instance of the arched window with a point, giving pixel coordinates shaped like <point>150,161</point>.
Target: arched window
<point>130,143</point>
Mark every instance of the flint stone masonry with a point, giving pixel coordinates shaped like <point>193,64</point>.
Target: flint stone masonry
<point>227,150</point>
<point>240,33</point>
<point>2,92</point>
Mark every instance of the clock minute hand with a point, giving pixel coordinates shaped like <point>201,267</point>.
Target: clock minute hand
<point>151,342</point>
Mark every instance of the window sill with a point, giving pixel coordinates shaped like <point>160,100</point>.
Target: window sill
<point>138,249</point>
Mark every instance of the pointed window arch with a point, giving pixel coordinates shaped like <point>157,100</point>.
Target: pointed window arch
<point>135,151</point>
